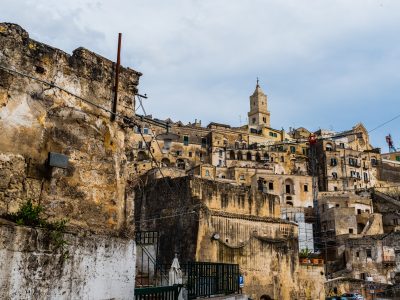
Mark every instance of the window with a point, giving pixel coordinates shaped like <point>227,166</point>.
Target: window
<point>271,186</point>
<point>366,176</point>
<point>353,162</point>
<point>363,276</point>
<point>369,254</point>
<point>341,145</point>
<point>357,254</point>
<point>373,161</point>
<point>333,162</point>
<point>264,119</point>
<point>254,120</point>
<point>145,130</point>
<point>288,189</point>
<point>207,173</point>
<point>241,177</point>
<point>337,205</point>
<point>140,145</point>
<point>328,147</point>
<point>220,163</point>
<point>220,152</point>
<point>203,142</point>
<point>292,149</point>
<point>334,175</point>
<point>185,140</point>
<point>306,188</point>
<point>351,230</point>
<point>358,211</point>
<point>335,188</point>
<point>190,154</point>
<point>282,159</point>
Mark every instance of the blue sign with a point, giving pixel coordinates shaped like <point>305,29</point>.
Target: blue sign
<point>241,281</point>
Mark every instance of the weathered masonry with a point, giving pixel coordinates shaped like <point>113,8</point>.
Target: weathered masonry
<point>51,102</point>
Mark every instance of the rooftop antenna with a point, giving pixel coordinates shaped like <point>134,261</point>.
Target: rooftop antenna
<point>389,141</point>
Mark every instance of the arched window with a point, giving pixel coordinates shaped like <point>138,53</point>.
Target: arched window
<point>258,156</point>
<point>232,154</point>
<point>165,162</point>
<point>289,187</point>
<point>248,156</point>
<point>239,155</point>
<point>266,156</point>
<point>328,147</point>
<point>180,164</point>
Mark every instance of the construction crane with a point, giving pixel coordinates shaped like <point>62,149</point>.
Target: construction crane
<point>389,141</point>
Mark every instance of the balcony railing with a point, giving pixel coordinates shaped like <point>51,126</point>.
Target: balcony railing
<point>389,259</point>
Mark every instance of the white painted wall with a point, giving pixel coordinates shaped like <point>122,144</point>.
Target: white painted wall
<point>98,267</point>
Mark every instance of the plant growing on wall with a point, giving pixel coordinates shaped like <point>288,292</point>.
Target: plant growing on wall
<point>29,215</point>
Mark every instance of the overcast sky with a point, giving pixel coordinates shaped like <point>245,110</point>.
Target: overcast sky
<point>322,63</point>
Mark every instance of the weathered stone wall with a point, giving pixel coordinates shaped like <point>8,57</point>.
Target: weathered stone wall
<point>36,119</point>
<point>265,249</point>
<point>311,282</point>
<point>90,267</point>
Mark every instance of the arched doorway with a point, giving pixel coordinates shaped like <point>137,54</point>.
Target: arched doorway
<point>239,155</point>
<point>232,154</point>
<point>248,156</point>
<point>258,156</point>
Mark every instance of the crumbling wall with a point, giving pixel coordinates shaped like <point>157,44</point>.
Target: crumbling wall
<point>311,282</point>
<point>38,118</point>
<point>266,250</point>
<point>90,267</point>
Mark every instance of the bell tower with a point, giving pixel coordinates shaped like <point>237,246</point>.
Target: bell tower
<point>259,115</point>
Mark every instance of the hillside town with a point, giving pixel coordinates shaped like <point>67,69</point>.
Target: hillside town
<point>159,209</point>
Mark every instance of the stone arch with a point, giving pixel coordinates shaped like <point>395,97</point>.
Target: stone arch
<point>180,163</point>
<point>165,162</point>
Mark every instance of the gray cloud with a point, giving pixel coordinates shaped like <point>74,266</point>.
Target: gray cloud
<point>322,63</point>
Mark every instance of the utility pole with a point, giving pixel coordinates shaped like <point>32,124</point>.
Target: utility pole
<point>114,107</point>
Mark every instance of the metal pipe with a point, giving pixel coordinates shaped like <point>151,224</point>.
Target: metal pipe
<point>114,109</point>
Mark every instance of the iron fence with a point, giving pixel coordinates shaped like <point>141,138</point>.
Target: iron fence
<point>205,279</point>
<point>158,293</point>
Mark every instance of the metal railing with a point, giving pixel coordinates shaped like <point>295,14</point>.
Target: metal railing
<point>158,293</point>
<point>205,279</point>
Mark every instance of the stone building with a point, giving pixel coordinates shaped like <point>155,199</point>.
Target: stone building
<point>59,149</point>
<point>216,221</point>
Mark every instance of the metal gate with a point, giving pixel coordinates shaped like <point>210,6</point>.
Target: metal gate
<point>158,293</point>
<point>206,279</point>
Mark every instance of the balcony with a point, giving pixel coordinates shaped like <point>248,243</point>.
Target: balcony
<point>389,260</point>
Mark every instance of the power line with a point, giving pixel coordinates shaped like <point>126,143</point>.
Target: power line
<point>383,124</point>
